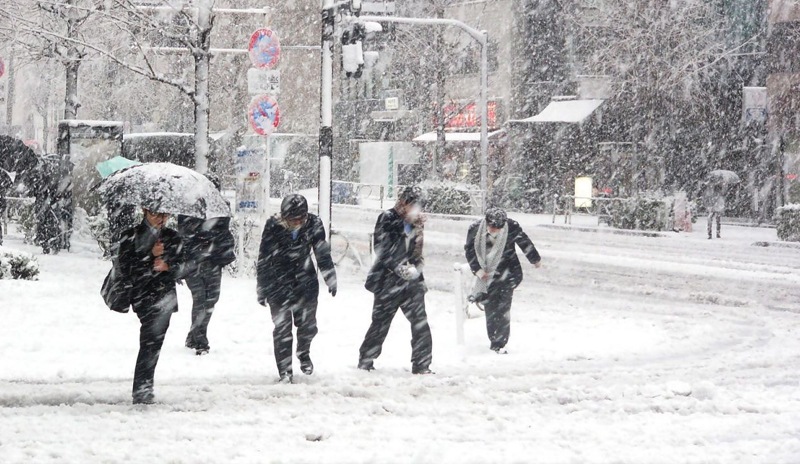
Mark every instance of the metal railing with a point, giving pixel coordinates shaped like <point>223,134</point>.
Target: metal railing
<point>600,207</point>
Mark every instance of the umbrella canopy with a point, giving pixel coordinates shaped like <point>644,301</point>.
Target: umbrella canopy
<point>724,176</point>
<point>166,188</point>
<point>15,156</point>
<point>117,163</point>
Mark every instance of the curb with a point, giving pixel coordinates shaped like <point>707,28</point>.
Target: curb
<point>632,233</point>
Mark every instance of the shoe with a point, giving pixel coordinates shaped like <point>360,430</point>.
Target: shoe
<point>719,236</point>
<point>144,398</point>
<point>202,351</point>
<point>366,366</point>
<point>286,377</point>
<point>306,365</point>
<point>190,343</point>
<point>421,371</point>
<point>499,350</point>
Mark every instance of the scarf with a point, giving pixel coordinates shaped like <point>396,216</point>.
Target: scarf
<point>489,261</point>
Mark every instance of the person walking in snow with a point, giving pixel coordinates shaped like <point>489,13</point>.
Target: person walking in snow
<point>209,246</point>
<point>491,252</point>
<point>150,262</point>
<point>397,281</point>
<point>287,280</point>
<point>714,201</point>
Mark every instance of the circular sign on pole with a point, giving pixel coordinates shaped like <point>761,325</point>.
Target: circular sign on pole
<point>264,114</point>
<point>265,49</point>
<point>2,67</point>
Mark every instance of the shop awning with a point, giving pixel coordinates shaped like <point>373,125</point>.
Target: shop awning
<point>570,111</point>
<point>457,136</point>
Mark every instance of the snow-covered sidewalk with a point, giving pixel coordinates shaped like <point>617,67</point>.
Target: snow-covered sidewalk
<point>623,349</point>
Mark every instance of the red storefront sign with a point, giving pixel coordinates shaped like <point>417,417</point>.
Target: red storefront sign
<point>467,115</point>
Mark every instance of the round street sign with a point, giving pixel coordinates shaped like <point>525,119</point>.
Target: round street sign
<point>265,49</point>
<point>264,114</point>
<point>2,67</point>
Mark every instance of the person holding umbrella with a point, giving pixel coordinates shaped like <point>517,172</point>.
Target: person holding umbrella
<point>151,256</point>
<point>209,246</point>
<point>492,255</point>
<point>288,283</point>
<point>714,195</point>
<point>150,261</point>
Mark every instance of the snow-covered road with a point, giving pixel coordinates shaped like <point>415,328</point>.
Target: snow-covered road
<point>623,349</point>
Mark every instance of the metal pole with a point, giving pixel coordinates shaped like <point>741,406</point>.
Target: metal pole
<point>326,116</point>
<point>484,119</point>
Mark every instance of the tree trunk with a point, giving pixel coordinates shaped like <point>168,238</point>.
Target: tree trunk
<point>441,82</point>
<point>71,102</point>
<point>200,98</point>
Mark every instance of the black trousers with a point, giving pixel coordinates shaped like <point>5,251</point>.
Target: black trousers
<point>711,217</point>
<point>411,300</point>
<point>204,286</point>
<point>155,322</point>
<point>302,312</point>
<point>498,315</point>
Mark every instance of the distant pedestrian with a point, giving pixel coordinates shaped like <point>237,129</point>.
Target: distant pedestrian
<point>209,247</point>
<point>714,201</point>
<point>288,282</point>
<point>492,255</point>
<point>397,281</point>
<point>150,261</point>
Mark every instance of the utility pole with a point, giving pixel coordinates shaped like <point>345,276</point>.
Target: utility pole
<point>326,115</point>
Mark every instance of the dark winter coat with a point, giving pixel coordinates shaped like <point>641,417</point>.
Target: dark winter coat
<point>509,271</point>
<point>389,244</point>
<point>206,243</point>
<point>286,271</point>
<point>135,264</point>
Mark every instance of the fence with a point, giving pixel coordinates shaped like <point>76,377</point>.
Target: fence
<point>601,207</point>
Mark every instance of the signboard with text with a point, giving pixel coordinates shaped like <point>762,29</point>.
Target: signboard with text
<point>263,81</point>
<point>467,115</point>
<point>249,191</point>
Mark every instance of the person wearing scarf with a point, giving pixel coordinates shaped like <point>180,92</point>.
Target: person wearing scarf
<point>397,282</point>
<point>492,256</point>
<point>287,280</point>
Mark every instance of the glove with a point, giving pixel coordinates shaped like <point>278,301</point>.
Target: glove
<point>407,272</point>
<point>332,290</point>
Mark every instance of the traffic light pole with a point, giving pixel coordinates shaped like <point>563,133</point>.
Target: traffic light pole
<point>482,38</point>
<point>326,98</point>
<point>326,115</point>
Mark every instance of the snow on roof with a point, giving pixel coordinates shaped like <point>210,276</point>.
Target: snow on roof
<point>455,136</point>
<point>89,122</point>
<point>211,135</point>
<point>566,111</point>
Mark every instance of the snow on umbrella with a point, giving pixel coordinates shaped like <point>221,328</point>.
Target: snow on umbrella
<point>108,167</point>
<point>166,188</point>
<point>724,176</point>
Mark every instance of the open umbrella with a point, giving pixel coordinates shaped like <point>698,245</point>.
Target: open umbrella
<point>165,188</point>
<point>724,176</point>
<point>117,163</point>
<point>15,156</point>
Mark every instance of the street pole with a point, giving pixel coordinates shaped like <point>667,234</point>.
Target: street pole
<point>326,115</point>
<point>484,119</point>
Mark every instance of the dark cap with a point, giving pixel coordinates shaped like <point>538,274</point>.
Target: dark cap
<point>294,206</point>
<point>496,217</point>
